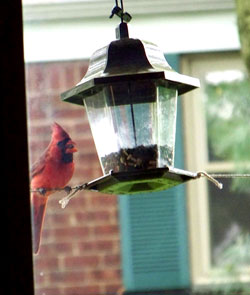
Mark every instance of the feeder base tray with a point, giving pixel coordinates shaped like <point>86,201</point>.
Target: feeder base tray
<point>141,181</point>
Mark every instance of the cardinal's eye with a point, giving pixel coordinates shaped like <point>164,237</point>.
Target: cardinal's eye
<point>62,143</point>
<point>70,146</point>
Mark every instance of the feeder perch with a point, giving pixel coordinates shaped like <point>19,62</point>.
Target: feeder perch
<point>130,96</point>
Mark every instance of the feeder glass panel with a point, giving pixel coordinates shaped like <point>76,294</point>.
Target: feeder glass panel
<point>165,125</point>
<point>133,125</point>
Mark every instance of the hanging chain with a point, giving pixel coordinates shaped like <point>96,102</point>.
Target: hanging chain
<point>119,11</point>
<point>121,5</point>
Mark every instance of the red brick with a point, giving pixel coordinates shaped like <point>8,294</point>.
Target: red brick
<point>110,275</point>
<point>93,173</point>
<point>89,290</point>
<point>104,245</point>
<point>92,216</point>
<point>78,202</point>
<point>112,260</point>
<point>82,261</point>
<point>87,145</point>
<point>80,71</point>
<point>69,113</point>
<point>49,291</point>
<point>68,77</point>
<point>73,72</point>
<point>81,217</point>
<point>40,131</point>
<point>58,219</point>
<point>45,262</point>
<point>39,277</point>
<point>38,78</point>
<point>83,68</point>
<point>87,246</point>
<point>101,215</point>
<point>65,234</point>
<point>104,200</point>
<point>36,148</point>
<point>56,248</point>
<point>53,75</point>
<point>62,247</point>
<point>83,127</point>
<point>114,289</point>
<point>35,113</point>
<point>46,233</point>
<point>86,174</point>
<point>91,157</point>
<point>67,277</point>
<point>106,229</point>
<point>71,233</point>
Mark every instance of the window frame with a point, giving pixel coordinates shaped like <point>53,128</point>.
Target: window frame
<point>15,199</point>
<point>196,158</point>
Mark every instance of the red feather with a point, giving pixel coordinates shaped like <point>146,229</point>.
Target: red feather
<point>54,169</point>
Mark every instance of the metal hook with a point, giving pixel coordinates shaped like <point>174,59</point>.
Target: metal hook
<point>119,11</point>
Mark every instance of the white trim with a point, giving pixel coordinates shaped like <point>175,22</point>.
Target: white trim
<point>195,147</point>
<point>34,10</point>
<point>176,33</point>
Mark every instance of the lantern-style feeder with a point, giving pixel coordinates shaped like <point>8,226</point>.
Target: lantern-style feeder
<point>130,95</point>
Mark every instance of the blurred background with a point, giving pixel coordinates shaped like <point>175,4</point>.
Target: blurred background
<point>193,237</point>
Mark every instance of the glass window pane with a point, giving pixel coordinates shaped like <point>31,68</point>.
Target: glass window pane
<point>230,224</point>
<point>227,105</point>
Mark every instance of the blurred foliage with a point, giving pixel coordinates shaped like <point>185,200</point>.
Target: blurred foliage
<point>233,258</point>
<point>243,17</point>
<point>228,115</point>
<point>237,254</point>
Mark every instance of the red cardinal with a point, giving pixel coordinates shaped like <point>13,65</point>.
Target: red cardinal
<point>54,169</point>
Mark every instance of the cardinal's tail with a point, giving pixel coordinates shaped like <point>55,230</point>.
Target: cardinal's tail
<point>38,207</point>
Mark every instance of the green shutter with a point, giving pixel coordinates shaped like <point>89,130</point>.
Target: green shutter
<point>154,242</point>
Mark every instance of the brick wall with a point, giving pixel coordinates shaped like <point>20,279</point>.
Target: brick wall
<point>80,250</point>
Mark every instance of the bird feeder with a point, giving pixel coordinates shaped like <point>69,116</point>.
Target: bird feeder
<point>130,96</point>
